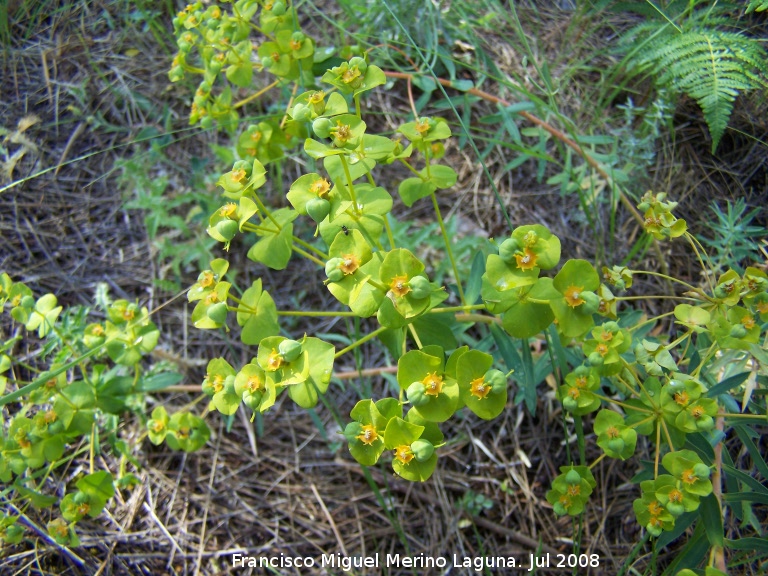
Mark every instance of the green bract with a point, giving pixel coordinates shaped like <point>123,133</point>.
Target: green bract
<point>440,398</point>
<point>482,390</point>
<point>576,279</point>
<point>400,436</point>
<point>569,494</point>
<point>615,438</point>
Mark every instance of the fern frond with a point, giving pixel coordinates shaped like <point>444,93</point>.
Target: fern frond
<point>757,6</point>
<point>711,66</point>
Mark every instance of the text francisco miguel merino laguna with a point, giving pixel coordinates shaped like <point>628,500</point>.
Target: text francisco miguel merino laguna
<point>476,563</point>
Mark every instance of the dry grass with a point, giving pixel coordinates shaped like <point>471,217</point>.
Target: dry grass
<point>287,486</point>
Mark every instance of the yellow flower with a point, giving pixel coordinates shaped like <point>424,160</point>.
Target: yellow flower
<point>574,490</point>
<point>689,476</point>
<point>682,398</point>
<point>349,264</point>
<point>274,361</point>
<point>342,132</point>
<point>254,384</point>
<point>369,435</point>
<point>526,260</point>
<point>399,286</point>
<point>320,187</point>
<point>655,508</point>
<point>422,125</point>
<point>479,388</point>
<point>403,454</point>
<point>316,97</point>
<point>228,210</point>
<point>573,296</point>
<point>433,384</point>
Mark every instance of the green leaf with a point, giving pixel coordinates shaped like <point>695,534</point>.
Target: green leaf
<point>712,517</point>
<point>99,487</point>
<point>320,359</point>
<point>258,317</point>
<point>471,373</point>
<point>711,66</point>
<point>441,176</point>
<point>240,75</point>
<point>413,189</point>
<point>37,499</point>
<point>274,249</point>
<point>436,329</point>
<point>159,381</point>
<point>525,319</point>
<point>74,406</point>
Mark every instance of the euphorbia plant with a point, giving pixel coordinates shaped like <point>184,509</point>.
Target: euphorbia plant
<point>638,386</point>
<point>87,375</point>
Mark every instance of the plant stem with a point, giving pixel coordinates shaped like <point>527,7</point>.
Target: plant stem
<point>307,255</point>
<point>316,313</point>
<point>448,249</point>
<point>650,320</point>
<point>411,168</point>
<point>458,308</point>
<point>599,459</point>
<point>348,175</point>
<point>266,211</point>
<point>657,296</point>
<point>579,425</point>
<point>673,279</point>
<point>360,342</point>
<point>255,95</point>
<point>309,246</point>
<point>692,241</point>
<point>415,336</point>
<point>390,236</point>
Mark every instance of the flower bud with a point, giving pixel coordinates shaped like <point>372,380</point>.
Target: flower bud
<point>675,508</point>
<point>218,312</point>
<point>422,450</point>
<point>616,445</point>
<point>508,249</point>
<point>322,127</point>
<point>595,359</point>
<point>416,394</point>
<point>705,423</point>
<point>572,477</point>
<point>253,399</point>
<point>496,380</point>
<point>361,64</point>
<point>332,270</point>
<point>227,228</point>
<point>653,529</point>
<point>318,209</point>
<point>301,112</point>
<point>591,302</point>
<point>570,404</point>
<point>738,331</point>
<point>289,350</point>
<point>420,287</point>
<point>701,470</point>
